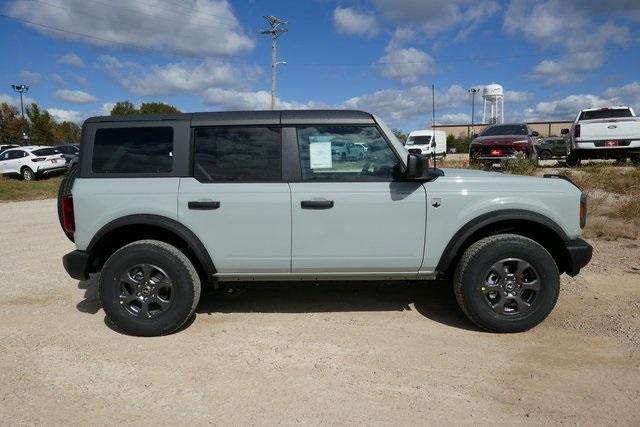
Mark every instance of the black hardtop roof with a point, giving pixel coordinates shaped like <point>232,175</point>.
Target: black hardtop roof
<point>274,117</point>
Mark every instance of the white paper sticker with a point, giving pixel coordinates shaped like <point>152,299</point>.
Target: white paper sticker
<point>320,152</point>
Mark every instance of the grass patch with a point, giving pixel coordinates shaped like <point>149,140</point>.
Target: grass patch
<point>12,189</point>
<point>625,181</point>
<point>520,166</point>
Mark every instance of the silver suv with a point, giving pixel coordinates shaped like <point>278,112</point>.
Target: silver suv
<point>162,204</point>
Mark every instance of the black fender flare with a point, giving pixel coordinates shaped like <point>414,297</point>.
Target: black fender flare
<point>466,231</point>
<point>194,243</point>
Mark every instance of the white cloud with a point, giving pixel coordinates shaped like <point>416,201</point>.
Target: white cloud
<point>181,77</point>
<point>106,108</point>
<point>348,20</point>
<point>435,16</point>
<point>61,115</point>
<point>31,77</point>
<point>57,79</point>
<point>251,100</point>
<point>74,96</point>
<point>190,27</point>
<point>582,38</point>
<point>456,118</point>
<point>565,108</point>
<point>515,97</point>
<point>71,59</point>
<point>628,94</point>
<point>15,100</point>
<point>406,64</point>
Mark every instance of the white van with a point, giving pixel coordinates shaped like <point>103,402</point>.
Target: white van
<point>425,141</point>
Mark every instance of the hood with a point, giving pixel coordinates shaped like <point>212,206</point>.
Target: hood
<point>499,139</point>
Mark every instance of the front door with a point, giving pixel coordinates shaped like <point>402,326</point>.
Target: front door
<point>236,202</point>
<point>349,215</point>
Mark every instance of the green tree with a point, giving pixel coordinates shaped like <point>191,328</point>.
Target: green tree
<point>11,125</point>
<point>69,133</point>
<point>123,108</point>
<point>42,127</point>
<point>157,108</point>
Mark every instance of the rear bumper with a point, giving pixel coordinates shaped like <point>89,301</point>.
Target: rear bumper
<point>49,171</point>
<point>77,264</point>
<point>580,253</point>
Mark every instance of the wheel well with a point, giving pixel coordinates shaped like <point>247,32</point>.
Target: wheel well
<point>540,233</point>
<point>113,240</point>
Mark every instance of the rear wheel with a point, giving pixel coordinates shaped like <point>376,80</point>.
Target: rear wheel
<point>27,174</point>
<point>545,155</point>
<point>573,159</point>
<point>149,288</point>
<point>506,283</point>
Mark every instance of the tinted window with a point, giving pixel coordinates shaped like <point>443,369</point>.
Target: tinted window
<point>45,152</point>
<point>133,150</point>
<point>366,156</point>
<point>606,114</point>
<point>505,130</point>
<point>249,154</point>
<point>419,140</point>
<point>16,154</point>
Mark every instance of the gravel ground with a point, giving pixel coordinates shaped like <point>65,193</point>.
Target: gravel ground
<point>335,354</point>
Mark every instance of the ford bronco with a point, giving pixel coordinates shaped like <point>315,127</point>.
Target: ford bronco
<point>159,205</point>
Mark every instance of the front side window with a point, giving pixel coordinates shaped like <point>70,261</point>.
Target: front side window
<point>345,153</point>
<point>237,154</point>
<point>133,150</point>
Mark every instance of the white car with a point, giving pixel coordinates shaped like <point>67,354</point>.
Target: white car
<point>31,162</point>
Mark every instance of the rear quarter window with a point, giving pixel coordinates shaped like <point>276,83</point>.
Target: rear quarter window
<point>133,150</point>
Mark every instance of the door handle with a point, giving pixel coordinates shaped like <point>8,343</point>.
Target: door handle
<point>316,204</point>
<point>203,206</point>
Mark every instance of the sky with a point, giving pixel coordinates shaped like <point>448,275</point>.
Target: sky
<point>552,57</point>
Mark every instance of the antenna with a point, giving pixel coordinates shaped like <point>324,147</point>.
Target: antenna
<point>433,120</point>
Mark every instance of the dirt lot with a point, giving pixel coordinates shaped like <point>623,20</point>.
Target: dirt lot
<point>400,354</point>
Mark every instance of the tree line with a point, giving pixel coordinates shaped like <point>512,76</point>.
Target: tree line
<point>40,127</point>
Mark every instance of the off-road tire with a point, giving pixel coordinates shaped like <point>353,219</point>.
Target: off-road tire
<point>471,270</point>
<point>66,185</point>
<point>572,160</point>
<point>545,155</point>
<point>185,291</point>
<point>27,174</point>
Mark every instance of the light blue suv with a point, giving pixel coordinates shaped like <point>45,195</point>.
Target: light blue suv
<point>162,204</point>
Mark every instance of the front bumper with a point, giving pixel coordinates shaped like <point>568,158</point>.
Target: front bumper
<point>77,264</point>
<point>579,254</point>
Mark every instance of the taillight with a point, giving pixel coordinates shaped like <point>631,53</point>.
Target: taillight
<point>576,131</point>
<point>496,152</point>
<point>583,210</point>
<point>68,218</point>
<point>38,159</point>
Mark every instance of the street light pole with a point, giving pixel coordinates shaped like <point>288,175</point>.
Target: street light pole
<point>21,89</point>
<point>274,32</point>
<point>473,92</point>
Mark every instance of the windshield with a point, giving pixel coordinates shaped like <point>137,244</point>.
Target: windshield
<point>613,113</point>
<point>505,130</point>
<point>419,140</point>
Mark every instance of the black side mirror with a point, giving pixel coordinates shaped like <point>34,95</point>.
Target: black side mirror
<point>419,170</point>
<point>564,131</point>
<point>535,133</point>
<point>475,135</point>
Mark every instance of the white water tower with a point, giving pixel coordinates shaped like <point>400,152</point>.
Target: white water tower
<point>493,97</point>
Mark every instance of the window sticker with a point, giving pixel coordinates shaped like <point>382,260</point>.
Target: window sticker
<point>320,152</point>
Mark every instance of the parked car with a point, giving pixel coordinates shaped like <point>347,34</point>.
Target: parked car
<point>604,133</point>
<point>427,142</point>
<point>503,141</point>
<point>346,150</point>
<point>31,162</point>
<point>6,147</point>
<point>552,148</point>
<point>160,206</point>
<point>71,153</point>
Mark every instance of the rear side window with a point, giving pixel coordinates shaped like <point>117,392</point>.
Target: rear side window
<point>237,154</point>
<point>45,152</point>
<point>133,150</point>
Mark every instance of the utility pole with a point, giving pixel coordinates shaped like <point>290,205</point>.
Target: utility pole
<point>274,32</point>
<point>21,89</point>
<point>473,92</point>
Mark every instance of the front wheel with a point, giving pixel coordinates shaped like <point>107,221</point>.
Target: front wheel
<point>545,155</point>
<point>149,288</point>
<point>506,283</point>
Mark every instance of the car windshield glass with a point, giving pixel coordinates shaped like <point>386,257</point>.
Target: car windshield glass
<point>606,114</point>
<point>505,130</point>
<point>419,140</point>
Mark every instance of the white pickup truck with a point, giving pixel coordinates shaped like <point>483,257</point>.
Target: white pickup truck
<point>604,133</point>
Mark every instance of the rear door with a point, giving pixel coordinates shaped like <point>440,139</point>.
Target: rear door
<point>350,215</point>
<point>236,201</point>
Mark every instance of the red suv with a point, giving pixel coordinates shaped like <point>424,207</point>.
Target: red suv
<point>505,141</point>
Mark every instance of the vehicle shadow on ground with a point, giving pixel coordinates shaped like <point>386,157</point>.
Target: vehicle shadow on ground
<point>433,300</point>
